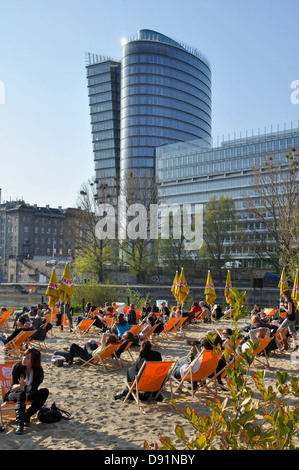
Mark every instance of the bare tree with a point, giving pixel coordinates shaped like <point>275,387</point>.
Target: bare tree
<point>92,253</point>
<point>275,205</point>
<point>136,243</point>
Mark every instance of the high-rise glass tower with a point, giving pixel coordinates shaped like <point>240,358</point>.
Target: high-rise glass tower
<point>165,97</point>
<point>103,75</point>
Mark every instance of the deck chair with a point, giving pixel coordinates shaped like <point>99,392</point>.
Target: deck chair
<point>83,327</point>
<point>103,358</point>
<point>269,312</point>
<point>169,325</point>
<point>149,334</point>
<point>151,378</point>
<point>135,329</point>
<point>51,317</point>
<point>126,350</point>
<point>261,348</point>
<point>138,313</point>
<point>201,316</point>
<point>109,321</point>
<point>39,336</point>
<point>15,346</point>
<point>280,338</point>
<point>208,365</point>
<point>227,315</point>
<point>175,330</point>
<point>5,317</point>
<point>5,381</point>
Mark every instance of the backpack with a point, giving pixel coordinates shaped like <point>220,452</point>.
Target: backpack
<point>52,414</point>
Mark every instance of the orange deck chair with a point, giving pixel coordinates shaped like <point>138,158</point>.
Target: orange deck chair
<point>261,348</point>
<point>201,316</point>
<point>5,317</point>
<point>135,329</point>
<point>151,378</point>
<point>103,358</point>
<point>169,325</point>
<point>269,312</point>
<point>15,346</point>
<point>149,335</point>
<point>208,365</point>
<point>83,327</point>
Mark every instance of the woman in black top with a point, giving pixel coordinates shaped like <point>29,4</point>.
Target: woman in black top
<point>27,375</point>
<point>145,354</point>
<point>290,320</point>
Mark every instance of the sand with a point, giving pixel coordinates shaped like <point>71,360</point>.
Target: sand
<point>102,423</point>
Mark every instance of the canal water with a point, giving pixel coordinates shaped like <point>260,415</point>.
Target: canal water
<point>18,301</point>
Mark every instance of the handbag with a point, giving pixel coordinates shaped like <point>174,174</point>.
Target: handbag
<point>52,414</point>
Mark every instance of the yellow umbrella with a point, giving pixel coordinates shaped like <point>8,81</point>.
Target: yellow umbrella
<point>283,283</point>
<point>53,290</point>
<point>295,291</point>
<point>66,288</point>
<point>174,288</point>
<point>228,290</point>
<point>210,290</point>
<point>183,289</point>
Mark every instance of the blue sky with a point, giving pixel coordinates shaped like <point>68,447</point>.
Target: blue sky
<point>45,140</point>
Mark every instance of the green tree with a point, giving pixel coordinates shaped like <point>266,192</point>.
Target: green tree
<point>219,222</point>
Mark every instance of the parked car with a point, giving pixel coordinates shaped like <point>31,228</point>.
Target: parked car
<point>233,264</point>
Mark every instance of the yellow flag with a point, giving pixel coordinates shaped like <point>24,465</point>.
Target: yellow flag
<point>210,292</point>
<point>295,291</point>
<point>66,288</point>
<point>183,289</point>
<point>52,290</point>
<point>228,290</point>
<point>283,283</point>
<point>174,288</point>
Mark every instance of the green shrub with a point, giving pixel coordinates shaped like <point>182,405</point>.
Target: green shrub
<point>242,422</point>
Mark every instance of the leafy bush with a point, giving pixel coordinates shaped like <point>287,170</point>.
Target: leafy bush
<point>97,294</point>
<point>242,422</point>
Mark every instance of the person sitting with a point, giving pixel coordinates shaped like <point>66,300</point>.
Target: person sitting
<point>132,317</point>
<point>23,324</point>
<point>120,326</point>
<point>147,354</point>
<point>196,309</point>
<point>27,375</point>
<point>174,313</point>
<point>256,310</point>
<point>184,364</point>
<point>290,321</point>
<point>164,310</point>
<point>150,323</point>
<point>254,336</point>
<point>158,320</point>
<point>217,312</point>
<point>126,338</point>
<point>146,309</point>
<point>108,311</point>
<point>89,349</point>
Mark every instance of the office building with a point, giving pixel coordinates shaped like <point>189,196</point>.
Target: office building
<point>158,93</point>
<point>188,174</point>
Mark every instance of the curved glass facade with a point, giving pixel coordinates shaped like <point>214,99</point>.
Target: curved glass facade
<point>165,98</point>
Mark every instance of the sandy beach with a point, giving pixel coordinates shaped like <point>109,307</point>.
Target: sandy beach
<point>102,423</point>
